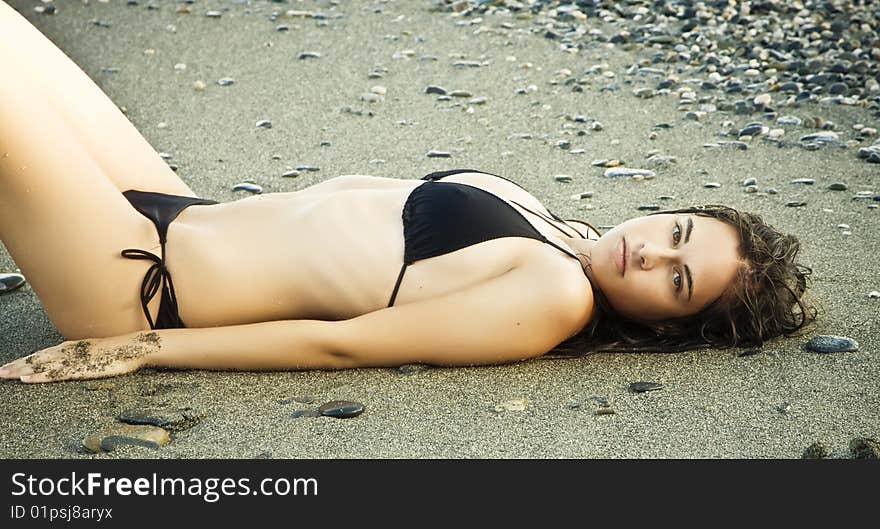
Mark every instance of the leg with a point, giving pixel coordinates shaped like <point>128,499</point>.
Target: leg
<point>122,153</point>
<point>62,220</point>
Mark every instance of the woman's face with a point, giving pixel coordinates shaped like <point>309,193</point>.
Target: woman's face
<point>649,281</point>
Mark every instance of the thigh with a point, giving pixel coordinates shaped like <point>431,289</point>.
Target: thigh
<point>122,153</point>
<point>64,222</point>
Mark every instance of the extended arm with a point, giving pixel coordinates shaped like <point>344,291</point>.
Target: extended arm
<point>511,317</point>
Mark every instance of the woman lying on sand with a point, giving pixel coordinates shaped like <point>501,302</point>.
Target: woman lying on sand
<point>456,268</point>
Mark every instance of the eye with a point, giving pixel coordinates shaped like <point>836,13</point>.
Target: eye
<point>676,280</point>
<point>676,234</point>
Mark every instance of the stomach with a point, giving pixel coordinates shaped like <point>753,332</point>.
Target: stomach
<point>314,255</point>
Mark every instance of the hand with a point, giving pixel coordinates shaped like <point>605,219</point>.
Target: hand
<point>84,359</point>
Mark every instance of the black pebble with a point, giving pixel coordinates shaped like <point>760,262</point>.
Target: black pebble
<point>748,352</point>
<point>817,450</point>
<point>641,387</point>
<point>864,448</point>
<point>341,409</point>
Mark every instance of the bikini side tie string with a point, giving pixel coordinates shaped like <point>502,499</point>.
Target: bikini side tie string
<point>157,276</point>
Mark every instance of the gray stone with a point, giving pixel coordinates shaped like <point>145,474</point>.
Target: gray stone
<point>829,343</point>
<point>341,409</point>
<point>642,387</point>
<point>10,282</point>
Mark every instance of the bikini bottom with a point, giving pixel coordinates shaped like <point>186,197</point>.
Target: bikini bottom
<point>162,209</point>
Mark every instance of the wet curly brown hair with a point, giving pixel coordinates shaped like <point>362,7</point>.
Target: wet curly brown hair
<point>764,301</point>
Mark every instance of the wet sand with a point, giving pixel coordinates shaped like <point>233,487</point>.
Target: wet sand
<point>712,404</point>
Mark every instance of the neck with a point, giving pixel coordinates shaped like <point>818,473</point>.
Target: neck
<point>583,248</point>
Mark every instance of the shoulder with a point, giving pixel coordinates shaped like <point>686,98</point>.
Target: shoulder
<point>562,283</point>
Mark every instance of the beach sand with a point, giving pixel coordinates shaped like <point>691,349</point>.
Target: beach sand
<point>713,404</point>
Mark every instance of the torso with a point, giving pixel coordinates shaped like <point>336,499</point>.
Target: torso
<point>331,252</point>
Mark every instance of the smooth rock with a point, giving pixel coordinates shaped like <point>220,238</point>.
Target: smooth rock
<point>615,172</point>
<point>864,448</point>
<point>837,186</point>
<point>829,343</point>
<point>641,387</point>
<point>817,450</point>
<point>122,434</point>
<point>10,282</point>
<point>164,417</point>
<point>341,409</point>
<point>438,154</point>
<point>247,186</point>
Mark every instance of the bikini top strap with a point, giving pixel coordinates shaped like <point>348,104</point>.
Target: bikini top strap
<point>549,221</point>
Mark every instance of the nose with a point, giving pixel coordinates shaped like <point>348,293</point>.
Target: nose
<point>649,255</point>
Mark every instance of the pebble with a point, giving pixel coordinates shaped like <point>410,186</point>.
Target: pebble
<point>712,185</point>
<point>642,387</point>
<point>247,186</point>
<point>310,168</point>
<point>793,203</point>
<point>126,434</point>
<point>213,14</point>
<point>438,154</point>
<point>562,178</point>
<point>264,123</point>
<point>648,207</point>
<point>433,89</point>
<point>605,410</point>
<point>171,418</point>
<point>520,136</point>
<point>10,282</point>
<point>821,138</point>
<point>341,409</point>
<point>225,81</point>
<point>837,186</point>
<point>290,174</point>
<point>864,448</point>
<point>615,172</point>
<point>817,450</point>
<point>789,120</point>
<point>806,181</point>
<point>607,163</point>
<point>831,344</point>
<point>585,194</point>
<point>749,182</point>
<point>874,294</point>
<point>308,55</point>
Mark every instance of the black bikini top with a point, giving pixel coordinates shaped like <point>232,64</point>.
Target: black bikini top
<point>441,219</point>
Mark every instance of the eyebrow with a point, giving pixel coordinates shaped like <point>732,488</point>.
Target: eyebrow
<point>687,269</point>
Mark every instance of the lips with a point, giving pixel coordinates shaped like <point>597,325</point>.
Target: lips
<point>620,257</point>
<point>623,256</point>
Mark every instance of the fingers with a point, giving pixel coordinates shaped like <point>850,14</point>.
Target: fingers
<point>35,378</point>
